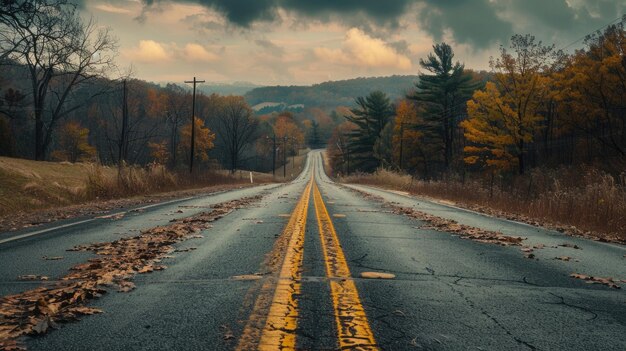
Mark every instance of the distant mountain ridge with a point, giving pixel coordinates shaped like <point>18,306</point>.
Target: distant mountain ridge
<point>235,88</point>
<point>333,93</point>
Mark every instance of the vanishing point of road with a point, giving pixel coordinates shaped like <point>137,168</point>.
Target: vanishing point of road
<point>444,292</point>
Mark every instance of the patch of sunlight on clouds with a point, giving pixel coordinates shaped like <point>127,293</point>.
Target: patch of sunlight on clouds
<point>149,51</point>
<point>360,49</point>
<point>196,52</point>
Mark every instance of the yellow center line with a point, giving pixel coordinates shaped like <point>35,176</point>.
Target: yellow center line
<point>353,329</point>
<point>279,331</point>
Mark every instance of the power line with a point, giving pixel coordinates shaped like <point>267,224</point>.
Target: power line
<point>620,18</point>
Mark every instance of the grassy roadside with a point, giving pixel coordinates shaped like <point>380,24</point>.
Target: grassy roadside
<point>30,186</point>
<point>593,206</point>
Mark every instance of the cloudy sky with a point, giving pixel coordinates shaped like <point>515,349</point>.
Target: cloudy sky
<point>273,42</point>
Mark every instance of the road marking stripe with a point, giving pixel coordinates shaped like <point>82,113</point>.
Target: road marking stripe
<point>353,328</point>
<point>279,331</point>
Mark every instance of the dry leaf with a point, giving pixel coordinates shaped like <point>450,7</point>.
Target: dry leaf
<point>37,310</point>
<point>610,282</point>
<point>573,246</point>
<point>464,231</point>
<point>32,277</point>
<point>52,258</point>
<point>125,286</point>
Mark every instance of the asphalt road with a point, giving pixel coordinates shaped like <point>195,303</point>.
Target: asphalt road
<point>448,293</point>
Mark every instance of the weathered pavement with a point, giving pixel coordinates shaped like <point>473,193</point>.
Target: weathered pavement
<point>448,293</point>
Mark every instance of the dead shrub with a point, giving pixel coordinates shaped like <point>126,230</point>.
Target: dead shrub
<point>589,199</point>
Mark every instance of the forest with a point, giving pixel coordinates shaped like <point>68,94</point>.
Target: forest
<point>63,98</point>
<point>543,134</point>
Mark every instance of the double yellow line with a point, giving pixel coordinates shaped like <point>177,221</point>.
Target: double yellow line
<point>281,322</point>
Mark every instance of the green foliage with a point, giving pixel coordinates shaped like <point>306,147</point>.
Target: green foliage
<point>371,117</point>
<point>443,93</point>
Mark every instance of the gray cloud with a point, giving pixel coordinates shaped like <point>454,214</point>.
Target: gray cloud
<point>270,47</point>
<point>472,22</point>
<point>401,47</point>
<point>480,23</point>
<point>246,12</point>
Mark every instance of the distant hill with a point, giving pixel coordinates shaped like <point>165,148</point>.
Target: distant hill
<point>236,88</point>
<point>331,94</point>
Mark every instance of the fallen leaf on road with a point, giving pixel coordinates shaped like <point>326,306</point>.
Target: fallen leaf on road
<point>377,275</point>
<point>573,246</point>
<point>464,231</point>
<point>339,215</point>
<point>32,277</point>
<point>186,249</point>
<point>610,282</point>
<point>10,345</point>
<point>36,311</point>
<point>125,286</point>
<point>52,258</point>
<point>563,258</point>
<point>227,332</point>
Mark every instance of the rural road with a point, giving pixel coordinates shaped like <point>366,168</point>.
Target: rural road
<point>446,292</point>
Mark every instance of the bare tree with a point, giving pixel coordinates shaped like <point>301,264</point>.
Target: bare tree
<point>177,112</point>
<point>61,53</point>
<point>235,127</point>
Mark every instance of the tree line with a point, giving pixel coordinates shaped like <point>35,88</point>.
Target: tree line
<point>537,106</point>
<point>59,102</point>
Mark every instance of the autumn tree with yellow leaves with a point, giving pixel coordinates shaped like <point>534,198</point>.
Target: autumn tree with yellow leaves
<point>73,144</point>
<point>504,117</point>
<point>592,94</point>
<point>204,138</point>
<point>407,138</point>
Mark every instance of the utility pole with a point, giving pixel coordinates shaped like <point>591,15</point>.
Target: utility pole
<point>347,154</point>
<point>273,154</point>
<point>285,157</point>
<point>123,148</point>
<point>193,121</point>
<point>401,142</point>
<point>293,159</point>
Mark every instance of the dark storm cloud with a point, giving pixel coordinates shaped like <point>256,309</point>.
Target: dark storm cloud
<point>555,14</point>
<point>245,12</point>
<point>401,46</point>
<point>473,22</point>
<point>560,15</point>
<point>480,23</point>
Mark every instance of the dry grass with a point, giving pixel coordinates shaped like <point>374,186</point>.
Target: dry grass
<point>27,186</point>
<point>583,201</point>
<point>107,183</point>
